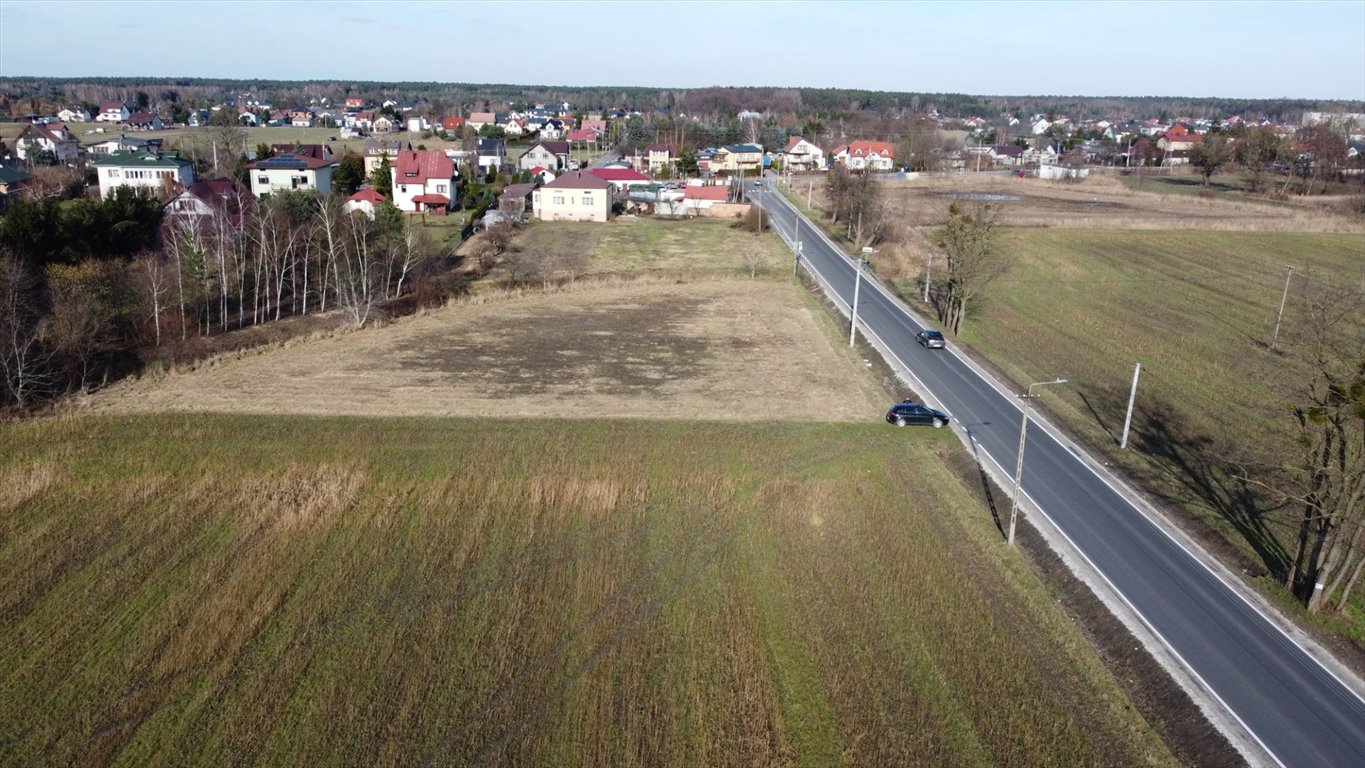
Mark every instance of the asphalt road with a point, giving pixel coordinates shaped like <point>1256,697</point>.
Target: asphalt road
<point>1298,711</point>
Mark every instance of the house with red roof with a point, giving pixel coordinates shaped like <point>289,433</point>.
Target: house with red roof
<point>1178,138</point>
<point>365,201</point>
<point>575,196</point>
<point>621,178</point>
<point>452,123</point>
<point>424,182</point>
<point>594,124</point>
<point>354,103</point>
<point>582,135</point>
<point>544,174</point>
<point>801,155</point>
<point>877,155</point>
<point>697,198</point>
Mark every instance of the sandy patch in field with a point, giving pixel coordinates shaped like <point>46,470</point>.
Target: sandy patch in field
<point>725,350</point>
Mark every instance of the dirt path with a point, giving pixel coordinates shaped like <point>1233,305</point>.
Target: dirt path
<point>722,350</point>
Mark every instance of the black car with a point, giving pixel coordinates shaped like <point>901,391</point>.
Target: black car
<point>907,412</point>
<point>930,339</point>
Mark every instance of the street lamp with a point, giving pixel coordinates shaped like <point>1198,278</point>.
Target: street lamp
<point>857,281</point>
<point>1019,463</point>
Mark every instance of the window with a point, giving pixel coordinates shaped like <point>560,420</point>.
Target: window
<point>113,173</point>
<point>263,180</point>
<point>587,199</point>
<point>559,199</point>
<point>441,189</point>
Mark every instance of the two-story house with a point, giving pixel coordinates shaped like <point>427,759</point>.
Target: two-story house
<point>657,157</point>
<point>155,171</point>
<point>74,114</point>
<point>38,138</point>
<point>492,153</point>
<point>547,154</point>
<point>738,157</point>
<point>301,118</point>
<point>376,150</point>
<point>112,112</point>
<point>575,196</point>
<point>215,197</point>
<point>877,155</point>
<point>123,143</point>
<point>286,172</point>
<point>424,182</point>
<point>801,155</point>
<point>144,121</point>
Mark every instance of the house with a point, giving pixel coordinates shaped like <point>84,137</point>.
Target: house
<point>52,137</point>
<point>155,171</point>
<point>197,118</point>
<point>480,119</point>
<point>452,123</point>
<point>513,127</point>
<point>418,124</point>
<point>1040,126</point>
<point>738,157</point>
<point>656,157</point>
<point>423,182</point>
<point>286,172</point>
<point>123,144</point>
<point>697,198</point>
<point>515,201</point>
<point>801,155</point>
<point>545,175</point>
<point>144,121</point>
<point>301,118</point>
<point>248,118</point>
<point>492,153</point>
<point>552,129</point>
<point>621,178</point>
<point>353,103</point>
<point>549,154</point>
<point>575,196</point>
<point>363,120</point>
<point>112,112</point>
<point>12,182</point>
<point>213,197</point>
<point>384,124</point>
<point>582,135</point>
<point>1008,154</point>
<point>877,155</point>
<point>315,151</point>
<point>376,151</point>
<point>594,124</point>
<point>365,201</point>
<point>74,114</point>
<point>1178,138</point>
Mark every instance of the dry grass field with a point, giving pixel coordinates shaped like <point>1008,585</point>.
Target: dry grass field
<point>300,591</point>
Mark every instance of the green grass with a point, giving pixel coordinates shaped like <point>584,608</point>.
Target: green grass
<point>1197,309</point>
<point>327,591</point>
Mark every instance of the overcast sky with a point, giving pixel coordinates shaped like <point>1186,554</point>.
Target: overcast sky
<point>1229,49</point>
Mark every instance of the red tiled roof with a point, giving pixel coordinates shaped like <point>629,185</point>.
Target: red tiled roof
<point>539,169</point>
<point>579,180</point>
<point>416,166</point>
<point>869,148</point>
<point>452,122</point>
<point>431,199</point>
<point>717,193</point>
<point>368,196</point>
<point>619,174</point>
<point>791,143</point>
<point>586,134</point>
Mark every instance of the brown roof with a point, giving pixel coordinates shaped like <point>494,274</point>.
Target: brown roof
<point>141,118</point>
<point>578,180</point>
<point>554,147</point>
<point>315,151</point>
<point>513,191</point>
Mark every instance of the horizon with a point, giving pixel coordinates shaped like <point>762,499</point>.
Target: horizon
<point>933,48</point>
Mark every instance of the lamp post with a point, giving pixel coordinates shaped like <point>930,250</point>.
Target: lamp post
<point>857,282</point>
<point>1019,463</point>
<point>1275,339</point>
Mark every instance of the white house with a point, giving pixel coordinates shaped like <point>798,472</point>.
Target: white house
<point>423,182</point>
<point>286,172</point>
<point>547,154</point>
<point>112,112</point>
<point>877,155</point>
<point>575,196</point>
<point>206,198</point>
<point>155,171</point>
<point>53,137</point>
<point>74,114</point>
<point>365,201</point>
<point>418,124</point>
<point>123,144</point>
<point>801,155</point>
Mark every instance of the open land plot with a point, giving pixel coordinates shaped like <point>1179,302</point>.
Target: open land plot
<point>303,591</point>
<point>734,350</point>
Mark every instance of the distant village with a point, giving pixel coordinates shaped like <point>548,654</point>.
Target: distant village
<point>561,163</point>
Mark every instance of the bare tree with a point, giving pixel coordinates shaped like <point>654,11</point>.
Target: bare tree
<point>23,360</point>
<point>359,277</point>
<point>77,317</point>
<point>968,242</point>
<point>153,277</point>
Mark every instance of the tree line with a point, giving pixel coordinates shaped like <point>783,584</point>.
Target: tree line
<point>73,305</point>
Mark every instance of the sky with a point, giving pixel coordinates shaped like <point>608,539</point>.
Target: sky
<point>1268,49</point>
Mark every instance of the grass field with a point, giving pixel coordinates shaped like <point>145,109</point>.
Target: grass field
<point>1197,309</point>
<point>293,591</point>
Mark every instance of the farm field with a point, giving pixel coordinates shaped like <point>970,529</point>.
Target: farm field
<point>238,590</point>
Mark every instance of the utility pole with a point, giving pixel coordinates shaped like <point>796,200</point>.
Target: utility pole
<point>1275,339</point>
<point>1132,397</point>
<point>928,269</point>
<point>1019,463</point>
<point>810,194</point>
<point>857,281</point>
<point>796,245</point>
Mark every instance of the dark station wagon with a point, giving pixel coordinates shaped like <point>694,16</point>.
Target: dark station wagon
<point>908,412</point>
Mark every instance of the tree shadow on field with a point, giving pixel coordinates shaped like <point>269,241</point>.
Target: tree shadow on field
<point>1193,461</point>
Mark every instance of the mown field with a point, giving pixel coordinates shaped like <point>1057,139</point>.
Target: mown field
<point>1197,309</point>
<point>291,591</point>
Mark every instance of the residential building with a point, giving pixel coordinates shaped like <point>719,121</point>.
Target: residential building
<point>353,103</point>
<point>154,171</point>
<point>144,121</point>
<point>1178,138</point>
<point>582,136</point>
<point>492,153</point>
<point>423,182</point>
<point>213,197</point>
<point>480,119</point>
<point>552,129</point>
<point>1008,154</point>
<point>315,151</point>
<point>594,124</point>
<point>74,114</point>
<point>112,112</point>
<point>286,172</point>
<point>543,174</point>
<point>384,124</point>
<point>621,178</point>
<point>376,150</point>
<point>418,124</point>
<point>575,196</point>
<point>301,118</point>
<point>697,198</point>
<point>52,137</point>
<point>365,201</point>
<point>734,158</point>
<point>452,123</point>
<point>516,200</point>
<point>801,155</point>
<point>877,155</point>
<point>656,157</point>
<point>12,182</point>
<point>549,154</point>
<point>123,143</point>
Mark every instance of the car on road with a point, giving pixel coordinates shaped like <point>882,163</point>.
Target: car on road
<point>930,339</point>
<point>908,412</point>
